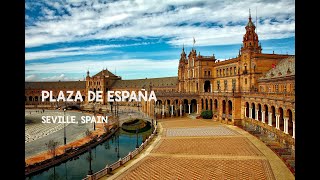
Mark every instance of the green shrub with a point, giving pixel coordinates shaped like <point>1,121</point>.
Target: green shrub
<point>207,114</point>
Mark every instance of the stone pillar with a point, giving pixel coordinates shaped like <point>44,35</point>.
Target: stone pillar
<point>263,116</point>
<point>162,109</point>
<point>286,120</point>
<point>294,129</point>
<point>189,108</point>
<point>277,121</point>
<point>171,109</point>
<point>257,115</point>
<point>197,108</point>
<point>245,111</point>
<point>250,112</point>
<point>210,87</point>
<point>270,119</point>
<point>180,110</point>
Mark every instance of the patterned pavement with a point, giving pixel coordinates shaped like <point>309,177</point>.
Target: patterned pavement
<point>189,150</point>
<point>201,131</point>
<point>196,168</point>
<point>238,146</point>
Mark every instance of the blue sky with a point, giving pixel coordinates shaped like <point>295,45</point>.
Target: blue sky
<point>143,38</point>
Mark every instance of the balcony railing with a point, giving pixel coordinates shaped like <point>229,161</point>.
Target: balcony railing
<point>271,95</point>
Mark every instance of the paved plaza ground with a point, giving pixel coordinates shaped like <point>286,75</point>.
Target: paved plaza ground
<point>202,149</point>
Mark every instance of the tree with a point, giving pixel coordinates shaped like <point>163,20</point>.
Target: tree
<point>89,133</point>
<point>207,114</point>
<point>52,147</point>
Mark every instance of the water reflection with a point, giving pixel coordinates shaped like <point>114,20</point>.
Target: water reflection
<point>107,152</point>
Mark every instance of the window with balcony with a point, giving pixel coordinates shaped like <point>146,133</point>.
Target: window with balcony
<point>225,84</point>
<point>233,84</point>
<point>245,69</point>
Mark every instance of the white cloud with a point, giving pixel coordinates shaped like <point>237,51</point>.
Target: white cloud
<point>60,77</point>
<point>150,18</point>
<point>138,65</point>
<point>72,51</point>
<point>31,77</point>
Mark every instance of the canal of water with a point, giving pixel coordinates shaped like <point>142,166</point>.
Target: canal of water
<point>108,152</point>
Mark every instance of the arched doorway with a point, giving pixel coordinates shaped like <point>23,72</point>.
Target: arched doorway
<point>202,107</point>
<point>206,104</point>
<point>223,109</point>
<point>259,112</point>
<point>36,98</point>
<point>193,105</point>
<point>273,111</point>
<point>266,113</point>
<point>207,86</point>
<point>253,111</point>
<point>281,120</point>
<point>158,108</point>
<point>30,98</point>
<point>168,107</point>
<point>230,110</point>
<point>176,107</point>
<point>215,107</point>
<point>185,106</point>
<point>290,123</point>
<point>247,109</point>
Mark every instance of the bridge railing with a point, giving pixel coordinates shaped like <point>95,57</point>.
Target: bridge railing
<point>109,168</point>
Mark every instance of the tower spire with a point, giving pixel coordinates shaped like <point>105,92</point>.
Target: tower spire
<point>249,14</point>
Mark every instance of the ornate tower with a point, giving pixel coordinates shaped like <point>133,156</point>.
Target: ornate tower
<point>250,39</point>
<point>181,69</point>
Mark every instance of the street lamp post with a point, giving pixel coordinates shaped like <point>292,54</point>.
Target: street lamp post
<point>64,127</point>
<point>90,159</point>
<point>118,155</point>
